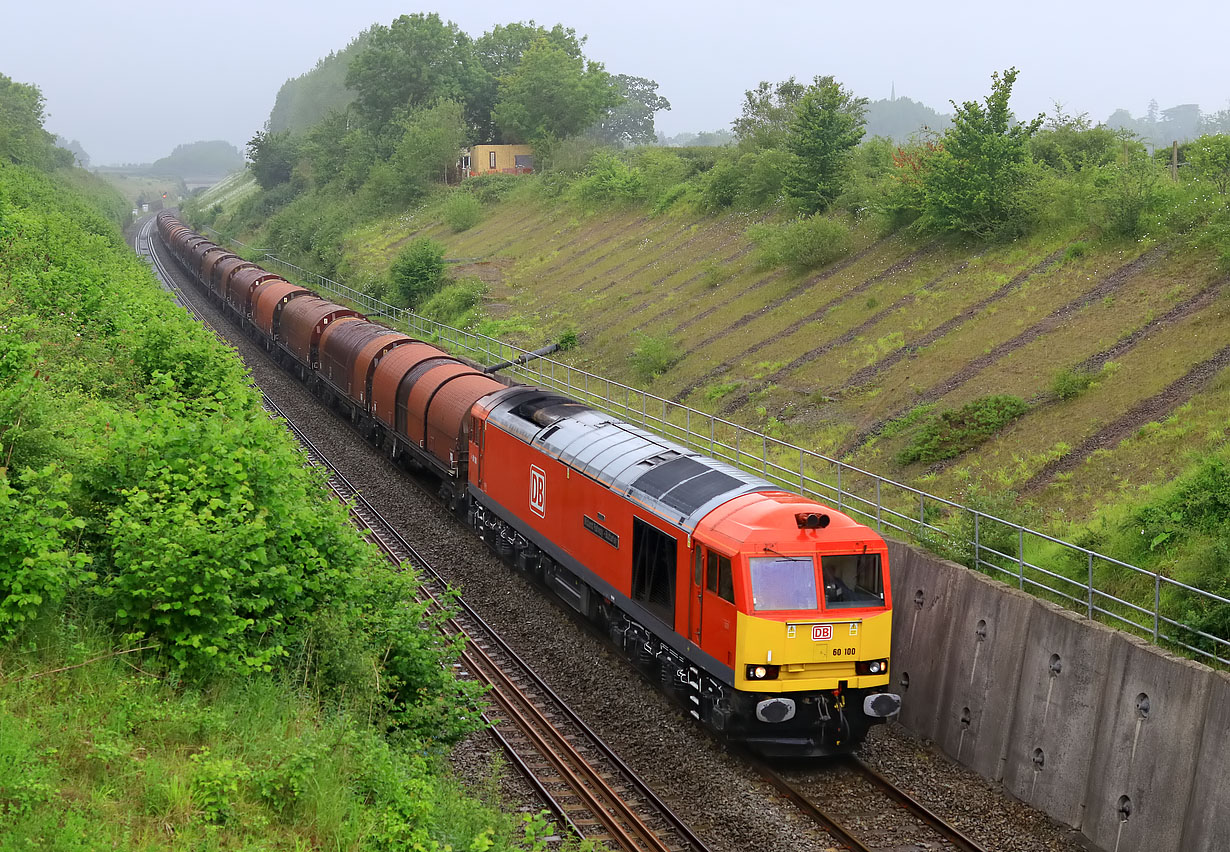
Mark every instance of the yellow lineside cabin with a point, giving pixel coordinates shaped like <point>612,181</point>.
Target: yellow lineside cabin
<point>505,159</point>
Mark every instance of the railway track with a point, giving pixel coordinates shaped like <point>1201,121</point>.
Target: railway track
<point>589,789</point>
<point>880,817</point>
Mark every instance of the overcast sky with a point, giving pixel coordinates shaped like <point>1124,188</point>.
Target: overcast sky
<point>132,80</point>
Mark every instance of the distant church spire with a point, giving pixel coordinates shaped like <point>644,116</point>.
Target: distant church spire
<point>893,96</point>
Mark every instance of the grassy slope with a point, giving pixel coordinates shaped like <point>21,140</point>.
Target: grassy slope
<point>831,357</point>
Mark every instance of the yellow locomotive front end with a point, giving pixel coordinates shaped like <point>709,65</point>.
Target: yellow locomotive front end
<point>813,621</point>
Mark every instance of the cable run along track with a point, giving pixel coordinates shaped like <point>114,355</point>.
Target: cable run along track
<point>584,783</point>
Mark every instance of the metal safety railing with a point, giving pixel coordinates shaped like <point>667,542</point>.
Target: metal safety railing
<point>1074,576</point>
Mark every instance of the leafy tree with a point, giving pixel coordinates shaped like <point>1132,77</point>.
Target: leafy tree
<point>1070,143</point>
<point>1131,188</point>
<point>975,182</point>
<point>199,158</point>
<point>273,157</point>
<point>631,121</point>
<point>304,101</point>
<point>552,95</point>
<point>79,152</point>
<point>1210,157</point>
<point>499,53</point>
<point>827,125</point>
<point>418,271</point>
<point>22,137</point>
<point>704,139</point>
<point>767,113</point>
<point>425,153</point>
<point>413,62</point>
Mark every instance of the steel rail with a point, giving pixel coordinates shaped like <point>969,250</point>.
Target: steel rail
<point>951,834</point>
<point>952,837</point>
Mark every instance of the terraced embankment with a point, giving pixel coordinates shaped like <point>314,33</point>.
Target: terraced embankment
<point>839,358</point>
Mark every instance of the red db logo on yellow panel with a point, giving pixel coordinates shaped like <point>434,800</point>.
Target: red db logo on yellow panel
<point>538,492</point>
<point>821,632</point>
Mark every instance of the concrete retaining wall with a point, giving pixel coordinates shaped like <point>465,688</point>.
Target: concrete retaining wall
<point>1114,737</point>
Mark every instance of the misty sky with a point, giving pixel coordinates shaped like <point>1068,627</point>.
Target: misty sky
<point>132,80</point>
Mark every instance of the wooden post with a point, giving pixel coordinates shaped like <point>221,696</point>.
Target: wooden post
<point>1174,161</point>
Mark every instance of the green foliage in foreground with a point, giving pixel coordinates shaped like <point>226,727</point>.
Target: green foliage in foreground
<point>952,432</point>
<point>116,754</point>
<point>197,649</point>
<point>1181,530</point>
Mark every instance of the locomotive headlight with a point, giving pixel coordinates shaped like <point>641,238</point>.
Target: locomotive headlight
<point>765,672</point>
<point>871,667</point>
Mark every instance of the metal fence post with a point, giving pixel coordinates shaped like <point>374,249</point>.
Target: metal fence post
<point>1157,604</point>
<point>977,543</point>
<point>879,523</point>
<point>1090,588</point>
<point>1020,556</point>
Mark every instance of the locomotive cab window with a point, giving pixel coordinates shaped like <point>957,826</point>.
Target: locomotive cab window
<point>783,583</point>
<point>852,580</point>
<point>720,580</point>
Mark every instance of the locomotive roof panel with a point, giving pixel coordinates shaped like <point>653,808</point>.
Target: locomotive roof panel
<point>770,519</point>
<point>675,483</point>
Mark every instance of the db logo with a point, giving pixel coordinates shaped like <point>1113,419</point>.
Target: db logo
<point>821,632</point>
<point>538,493</point>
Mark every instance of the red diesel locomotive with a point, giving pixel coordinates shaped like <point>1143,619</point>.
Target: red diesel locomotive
<point>765,613</point>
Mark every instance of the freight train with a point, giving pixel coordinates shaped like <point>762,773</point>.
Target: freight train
<point>764,613</point>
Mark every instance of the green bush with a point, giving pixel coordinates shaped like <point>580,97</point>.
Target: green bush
<point>1198,503</point>
<point>802,244</point>
<point>210,548</point>
<point>455,303</point>
<point>609,180</point>
<point>953,432</point>
<point>1069,383</point>
<point>1130,191</point>
<point>653,356</point>
<point>461,211</point>
<point>39,558</point>
<point>975,182</point>
<point>1076,251</point>
<point>492,187</point>
<point>417,272</point>
<point>569,339</point>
